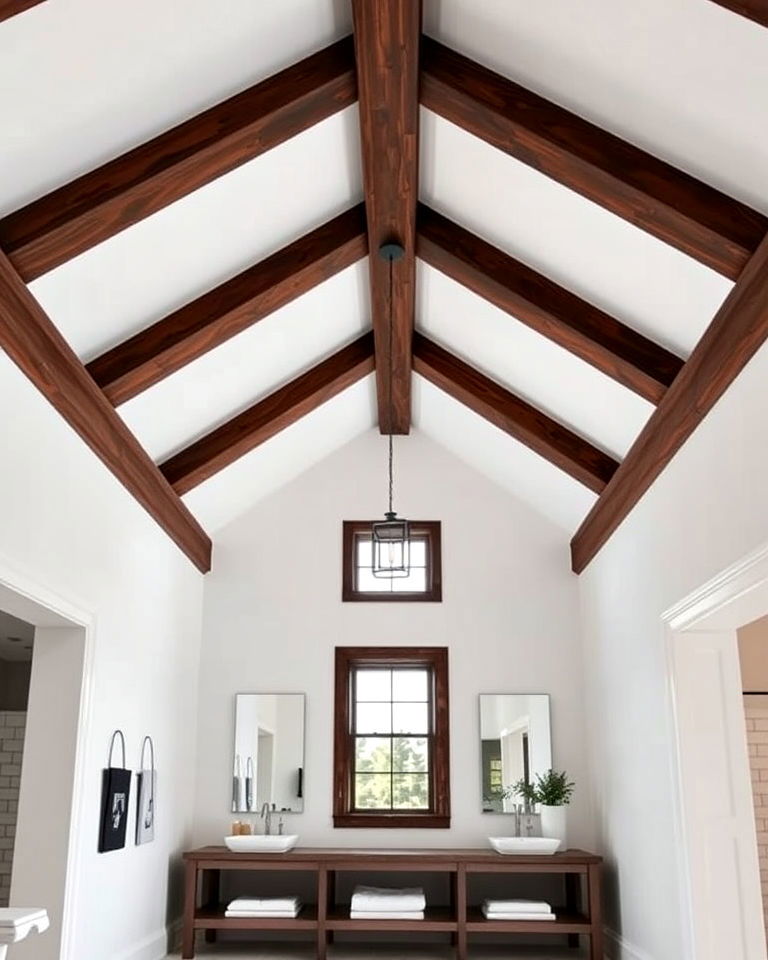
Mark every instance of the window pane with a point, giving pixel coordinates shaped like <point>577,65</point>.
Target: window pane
<point>374,755</point>
<point>367,583</point>
<point>363,551</point>
<point>373,685</point>
<point>416,581</point>
<point>410,753</point>
<point>409,718</point>
<point>410,685</point>
<point>410,791</point>
<point>418,553</point>
<point>373,791</point>
<point>375,718</point>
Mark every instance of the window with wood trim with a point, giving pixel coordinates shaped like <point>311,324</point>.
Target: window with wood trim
<point>391,743</point>
<point>424,582</point>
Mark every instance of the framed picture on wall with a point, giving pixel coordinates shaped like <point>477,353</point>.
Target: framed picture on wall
<point>115,794</point>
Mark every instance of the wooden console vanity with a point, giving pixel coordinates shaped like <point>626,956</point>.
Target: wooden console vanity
<point>578,913</point>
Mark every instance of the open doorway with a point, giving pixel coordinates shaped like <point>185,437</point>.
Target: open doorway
<point>16,643</point>
<point>719,865</point>
<point>50,775</point>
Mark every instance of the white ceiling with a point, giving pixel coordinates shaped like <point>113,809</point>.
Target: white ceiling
<point>84,80</point>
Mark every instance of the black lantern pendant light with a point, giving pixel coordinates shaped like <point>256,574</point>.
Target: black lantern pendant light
<point>390,538</point>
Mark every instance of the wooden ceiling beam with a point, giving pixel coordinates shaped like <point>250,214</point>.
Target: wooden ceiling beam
<point>387,34</point>
<point>594,336</point>
<point>186,334</point>
<point>756,10</point>
<point>41,353</point>
<point>269,416</point>
<point>738,330</point>
<point>545,436</point>
<point>89,210</point>
<point>9,8</point>
<point>673,206</point>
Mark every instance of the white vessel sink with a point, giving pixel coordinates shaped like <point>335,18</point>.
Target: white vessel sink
<point>261,844</point>
<point>526,845</point>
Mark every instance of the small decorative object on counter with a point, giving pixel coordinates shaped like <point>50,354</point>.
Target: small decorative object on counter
<point>146,788</point>
<point>553,794</point>
<point>115,793</point>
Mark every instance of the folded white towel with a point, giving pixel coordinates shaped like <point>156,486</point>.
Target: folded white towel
<point>264,903</point>
<point>518,916</point>
<point>386,914</point>
<point>264,914</point>
<point>385,899</point>
<point>517,906</point>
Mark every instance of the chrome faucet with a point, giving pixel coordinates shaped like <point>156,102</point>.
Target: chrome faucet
<point>518,809</point>
<point>266,813</point>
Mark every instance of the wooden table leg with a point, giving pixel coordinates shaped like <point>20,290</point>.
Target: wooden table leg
<point>322,912</point>
<point>211,897</point>
<point>573,901</point>
<point>190,902</point>
<point>331,882</point>
<point>595,913</point>
<point>461,912</point>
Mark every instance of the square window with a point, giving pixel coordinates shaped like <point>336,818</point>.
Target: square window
<point>424,579</point>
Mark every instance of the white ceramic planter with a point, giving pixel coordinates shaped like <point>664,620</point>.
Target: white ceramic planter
<point>554,823</point>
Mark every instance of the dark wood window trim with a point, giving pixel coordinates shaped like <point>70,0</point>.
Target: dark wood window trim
<point>439,814</point>
<point>428,530</point>
<point>9,8</point>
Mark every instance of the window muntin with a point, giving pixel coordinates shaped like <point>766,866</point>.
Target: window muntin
<point>424,581</point>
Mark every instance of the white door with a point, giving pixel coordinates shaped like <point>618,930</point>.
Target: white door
<point>717,797</point>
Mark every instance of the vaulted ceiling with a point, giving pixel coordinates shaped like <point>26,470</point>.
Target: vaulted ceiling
<point>187,202</point>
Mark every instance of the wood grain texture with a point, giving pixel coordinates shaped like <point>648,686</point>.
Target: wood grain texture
<point>269,416</point>
<point>99,204</point>
<point>387,34</point>
<point>41,353</point>
<point>205,323</point>
<point>545,436</point>
<point>737,331</point>
<point>756,10</point>
<point>673,206</point>
<point>9,8</point>
<point>578,326</point>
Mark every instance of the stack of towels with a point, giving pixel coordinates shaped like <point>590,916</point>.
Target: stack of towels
<point>264,907</point>
<point>382,903</point>
<point>517,910</point>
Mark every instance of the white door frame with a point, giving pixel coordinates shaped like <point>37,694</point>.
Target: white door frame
<point>23,597</point>
<point>706,621</point>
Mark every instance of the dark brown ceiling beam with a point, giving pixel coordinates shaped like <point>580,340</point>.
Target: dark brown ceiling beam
<point>9,8</point>
<point>89,210</point>
<point>186,334</point>
<point>756,10</point>
<point>673,206</point>
<point>268,417</point>
<point>571,322</point>
<point>41,353</point>
<point>545,436</point>
<point>387,34</point>
<point>738,330</point>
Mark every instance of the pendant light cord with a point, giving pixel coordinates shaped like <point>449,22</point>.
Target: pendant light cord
<point>391,373</point>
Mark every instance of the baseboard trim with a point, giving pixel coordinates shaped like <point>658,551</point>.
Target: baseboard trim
<point>617,948</point>
<point>156,946</point>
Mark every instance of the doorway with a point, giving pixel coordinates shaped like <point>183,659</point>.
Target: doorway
<point>49,805</point>
<point>719,866</point>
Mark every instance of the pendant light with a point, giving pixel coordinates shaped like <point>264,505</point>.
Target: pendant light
<point>390,538</point>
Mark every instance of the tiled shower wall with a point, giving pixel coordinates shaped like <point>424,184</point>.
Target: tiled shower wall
<point>12,726</point>
<point>756,713</point>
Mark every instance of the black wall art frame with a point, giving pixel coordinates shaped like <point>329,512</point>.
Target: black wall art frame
<point>115,794</point>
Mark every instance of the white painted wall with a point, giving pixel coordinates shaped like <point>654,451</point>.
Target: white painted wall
<point>273,615</point>
<point>70,527</point>
<point>707,510</point>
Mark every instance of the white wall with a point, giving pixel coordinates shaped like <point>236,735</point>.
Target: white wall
<point>68,526</point>
<point>707,510</point>
<point>273,615</point>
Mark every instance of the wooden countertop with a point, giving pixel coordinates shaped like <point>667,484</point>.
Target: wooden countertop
<point>392,855</point>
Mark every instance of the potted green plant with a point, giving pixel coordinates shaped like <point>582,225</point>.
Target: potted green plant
<point>553,791</point>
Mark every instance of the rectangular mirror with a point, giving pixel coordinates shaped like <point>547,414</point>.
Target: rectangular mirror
<point>268,762</point>
<point>515,744</point>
